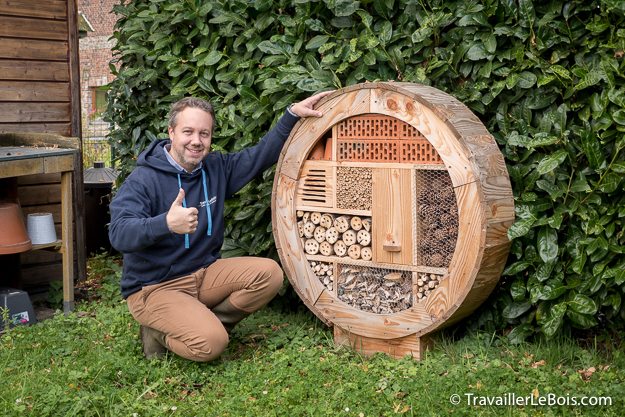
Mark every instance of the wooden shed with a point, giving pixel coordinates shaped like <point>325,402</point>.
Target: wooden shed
<point>391,213</point>
<point>40,104</point>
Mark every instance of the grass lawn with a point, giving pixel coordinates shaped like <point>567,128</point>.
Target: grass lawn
<point>285,364</point>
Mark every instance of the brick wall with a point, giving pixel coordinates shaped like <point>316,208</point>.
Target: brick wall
<point>95,49</point>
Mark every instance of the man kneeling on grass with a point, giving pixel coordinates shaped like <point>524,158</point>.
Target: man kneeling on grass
<point>167,220</point>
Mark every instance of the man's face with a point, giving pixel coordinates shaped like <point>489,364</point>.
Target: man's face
<point>191,139</point>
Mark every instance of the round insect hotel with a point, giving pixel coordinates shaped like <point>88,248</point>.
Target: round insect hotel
<point>390,214</point>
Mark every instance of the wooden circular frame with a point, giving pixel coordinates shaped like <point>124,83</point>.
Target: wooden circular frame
<point>483,193</point>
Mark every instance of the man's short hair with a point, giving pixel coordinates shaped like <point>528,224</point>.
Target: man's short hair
<point>194,102</point>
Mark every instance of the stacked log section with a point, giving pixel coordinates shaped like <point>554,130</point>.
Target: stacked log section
<point>438,218</point>
<point>334,235</point>
<point>374,290</point>
<point>324,272</point>
<point>426,283</point>
<point>353,188</point>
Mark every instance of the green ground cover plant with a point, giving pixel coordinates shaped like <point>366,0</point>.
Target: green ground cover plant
<point>546,78</point>
<point>90,363</point>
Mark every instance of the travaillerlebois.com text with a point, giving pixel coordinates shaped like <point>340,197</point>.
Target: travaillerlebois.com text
<point>531,400</point>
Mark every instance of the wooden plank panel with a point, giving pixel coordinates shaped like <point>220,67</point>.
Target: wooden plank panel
<point>292,253</point>
<point>39,194</point>
<point>55,209</point>
<point>39,257</point>
<point>39,179</point>
<point>34,70</point>
<point>392,215</point>
<point>58,163</point>
<point>494,255</point>
<point>24,27</point>
<point>33,91</point>
<point>305,135</point>
<point>316,185</point>
<point>18,167</point>
<point>496,188</point>
<point>395,348</point>
<point>53,128</point>
<point>444,140</point>
<point>487,276</point>
<point>34,112</point>
<point>31,49</point>
<point>497,233</point>
<point>50,9</point>
<point>41,274</point>
<point>500,210</point>
<point>453,112</point>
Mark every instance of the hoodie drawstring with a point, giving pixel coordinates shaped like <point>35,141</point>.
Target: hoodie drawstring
<point>208,206</point>
<point>208,209</point>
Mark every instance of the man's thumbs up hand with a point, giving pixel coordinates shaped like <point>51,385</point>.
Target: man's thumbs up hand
<point>179,219</point>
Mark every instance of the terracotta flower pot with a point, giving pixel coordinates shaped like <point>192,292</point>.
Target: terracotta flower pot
<point>13,236</point>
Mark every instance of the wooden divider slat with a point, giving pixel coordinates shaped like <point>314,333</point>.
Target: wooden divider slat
<point>34,112</point>
<point>33,70</point>
<point>34,91</point>
<point>33,49</point>
<point>24,27</point>
<point>51,9</point>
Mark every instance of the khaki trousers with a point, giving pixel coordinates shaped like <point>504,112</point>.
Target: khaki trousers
<point>181,308</point>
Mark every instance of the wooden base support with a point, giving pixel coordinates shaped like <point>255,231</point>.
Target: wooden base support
<point>396,348</point>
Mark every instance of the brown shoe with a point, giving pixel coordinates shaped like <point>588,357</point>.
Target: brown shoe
<point>153,342</point>
<point>228,314</point>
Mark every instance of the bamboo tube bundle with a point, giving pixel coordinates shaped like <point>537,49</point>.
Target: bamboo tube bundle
<point>354,189</point>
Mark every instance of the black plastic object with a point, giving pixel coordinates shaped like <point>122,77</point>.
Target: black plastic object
<point>20,309</point>
<point>98,186</point>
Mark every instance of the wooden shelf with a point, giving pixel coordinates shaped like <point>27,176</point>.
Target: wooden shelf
<point>56,246</point>
<point>372,165</point>
<point>359,262</point>
<point>364,213</point>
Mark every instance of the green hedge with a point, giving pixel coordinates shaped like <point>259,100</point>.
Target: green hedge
<point>546,77</point>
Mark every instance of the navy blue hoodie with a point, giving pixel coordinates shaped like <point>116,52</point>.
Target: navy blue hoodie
<point>152,254</point>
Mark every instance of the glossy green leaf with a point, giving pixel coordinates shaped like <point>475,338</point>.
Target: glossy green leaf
<point>582,304</point>
<point>581,320</point>
<point>515,268</point>
<point>551,162</point>
<point>520,333</point>
<point>547,244</point>
<point>516,309</point>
